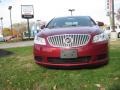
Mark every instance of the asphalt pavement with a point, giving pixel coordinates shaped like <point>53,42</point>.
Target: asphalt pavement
<point>16,44</point>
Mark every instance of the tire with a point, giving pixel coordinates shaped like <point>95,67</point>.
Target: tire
<point>119,35</point>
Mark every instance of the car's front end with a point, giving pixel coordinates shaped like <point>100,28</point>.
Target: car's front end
<point>69,47</point>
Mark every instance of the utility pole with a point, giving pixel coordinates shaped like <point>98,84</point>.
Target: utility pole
<point>113,32</point>
<point>113,17</point>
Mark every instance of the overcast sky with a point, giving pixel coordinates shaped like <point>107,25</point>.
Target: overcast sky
<point>47,9</point>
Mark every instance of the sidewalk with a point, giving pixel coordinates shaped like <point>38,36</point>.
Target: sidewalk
<point>16,44</point>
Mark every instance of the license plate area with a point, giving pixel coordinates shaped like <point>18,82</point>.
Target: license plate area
<point>72,53</point>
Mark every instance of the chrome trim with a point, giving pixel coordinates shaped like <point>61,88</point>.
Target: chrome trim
<point>75,40</point>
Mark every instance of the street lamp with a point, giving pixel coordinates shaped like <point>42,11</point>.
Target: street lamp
<point>9,8</point>
<point>1,23</point>
<point>71,10</point>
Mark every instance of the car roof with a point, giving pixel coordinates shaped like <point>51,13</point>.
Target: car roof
<point>70,16</point>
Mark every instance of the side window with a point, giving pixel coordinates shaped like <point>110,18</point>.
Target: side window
<point>92,21</point>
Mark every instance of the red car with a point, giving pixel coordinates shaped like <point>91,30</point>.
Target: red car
<point>71,41</point>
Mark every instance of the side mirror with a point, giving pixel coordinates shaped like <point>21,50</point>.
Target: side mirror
<point>43,26</point>
<point>100,23</point>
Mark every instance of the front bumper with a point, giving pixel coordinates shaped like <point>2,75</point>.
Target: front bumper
<point>89,55</point>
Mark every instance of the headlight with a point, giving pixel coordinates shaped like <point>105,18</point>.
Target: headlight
<point>39,40</point>
<point>100,37</point>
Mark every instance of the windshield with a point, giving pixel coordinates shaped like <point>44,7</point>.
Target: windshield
<point>71,22</point>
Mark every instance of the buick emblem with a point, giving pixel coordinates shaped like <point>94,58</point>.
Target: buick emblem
<point>68,40</point>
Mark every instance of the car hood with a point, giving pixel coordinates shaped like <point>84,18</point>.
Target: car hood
<point>70,30</point>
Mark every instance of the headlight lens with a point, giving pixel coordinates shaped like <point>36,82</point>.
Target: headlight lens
<point>100,37</point>
<point>39,40</point>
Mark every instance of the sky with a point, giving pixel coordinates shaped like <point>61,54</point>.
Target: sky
<point>47,9</point>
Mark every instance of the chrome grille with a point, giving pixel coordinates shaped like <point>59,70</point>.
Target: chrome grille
<point>68,40</point>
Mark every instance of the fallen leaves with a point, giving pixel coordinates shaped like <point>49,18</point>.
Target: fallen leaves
<point>100,87</point>
<point>55,87</point>
<point>116,78</point>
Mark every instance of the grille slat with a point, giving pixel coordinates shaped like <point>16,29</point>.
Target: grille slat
<point>82,39</point>
<point>77,40</point>
<point>68,40</point>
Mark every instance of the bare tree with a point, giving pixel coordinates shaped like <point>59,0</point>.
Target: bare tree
<point>20,28</point>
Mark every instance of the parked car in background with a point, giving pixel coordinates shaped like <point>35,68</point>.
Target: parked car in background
<point>9,38</point>
<point>70,42</point>
<point>1,38</point>
<point>108,30</point>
